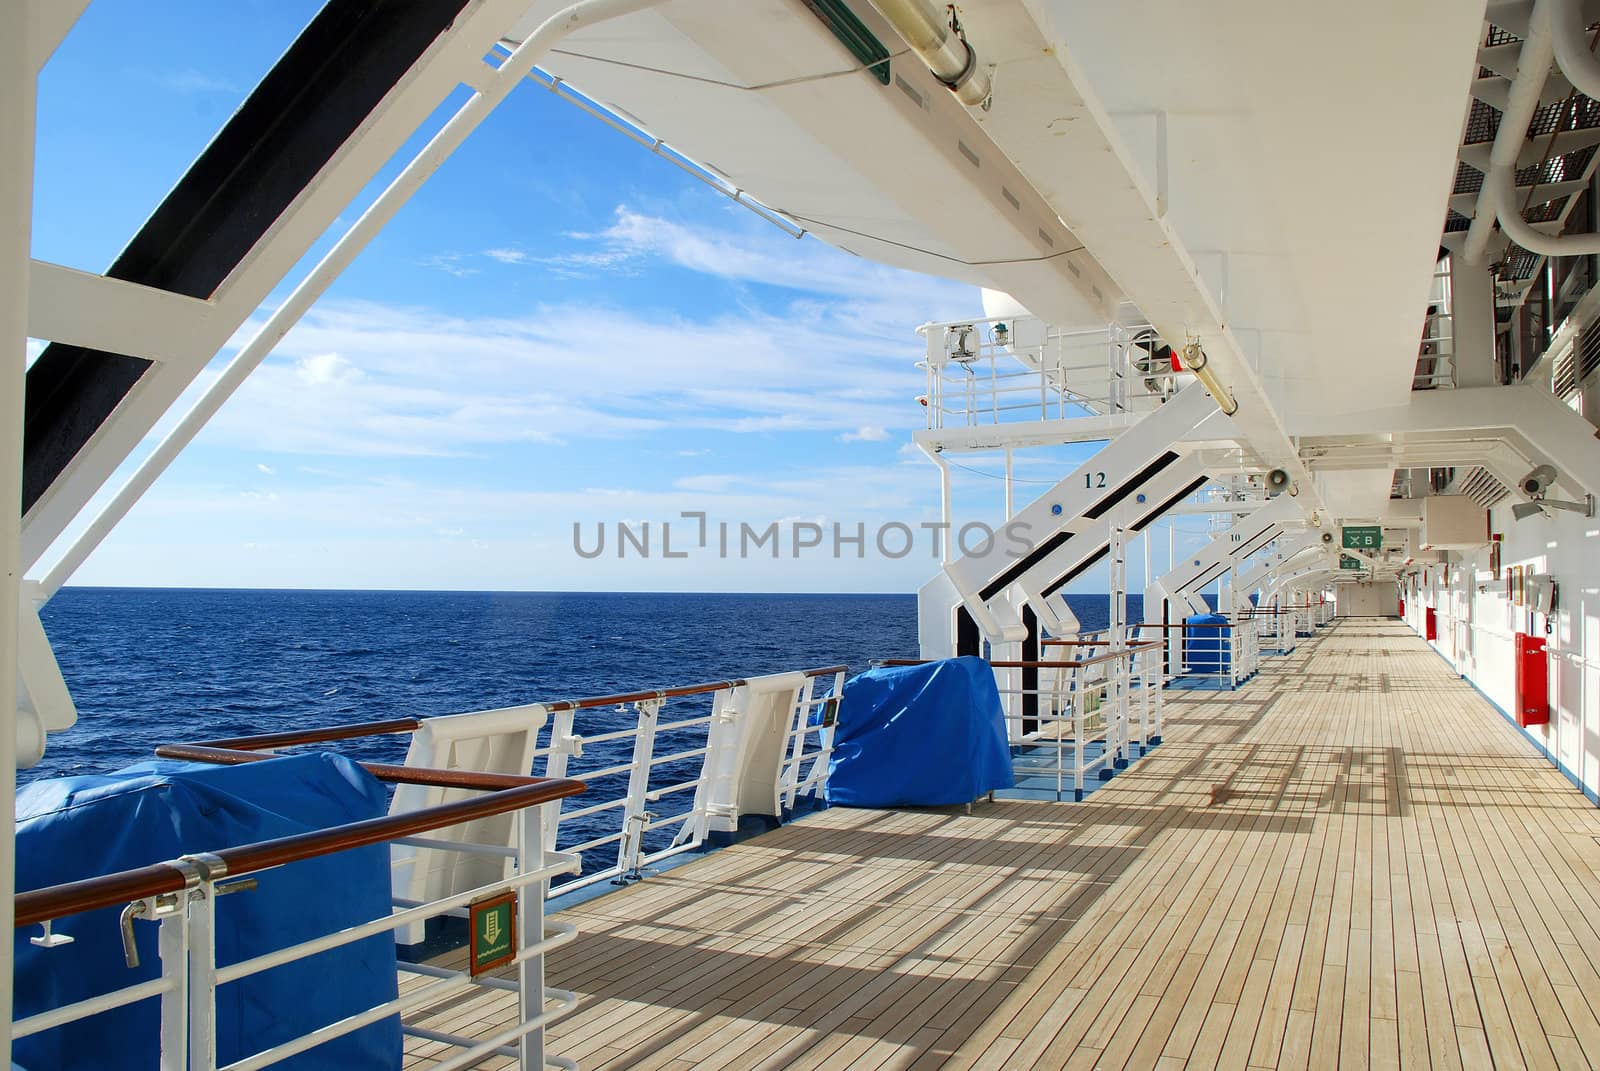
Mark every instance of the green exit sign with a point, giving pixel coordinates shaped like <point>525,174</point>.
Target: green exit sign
<point>492,938</point>
<point>1347,562</point>
<point>1363,537</point>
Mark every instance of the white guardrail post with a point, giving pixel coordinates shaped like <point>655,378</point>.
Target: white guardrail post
<point>564,745</point>
<point>634,816</point>
<point>530,935</point>
<point>201,921</point>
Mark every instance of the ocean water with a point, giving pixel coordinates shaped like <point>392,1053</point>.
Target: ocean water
<point>151,666</point>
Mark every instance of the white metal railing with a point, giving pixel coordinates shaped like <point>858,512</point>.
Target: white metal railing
<point>1436,353</point>
<point>1220,655</point>
<point>1275,632</point>
<point>1002,369</point>
<point>679,748</point>
<point>662,766</point>
<point>191,982</point>
<point>1084,716</point>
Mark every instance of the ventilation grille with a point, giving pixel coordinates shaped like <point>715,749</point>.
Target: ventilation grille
<point>1588,351</point>
<point>1565,379</point>
<point>1482,488</point>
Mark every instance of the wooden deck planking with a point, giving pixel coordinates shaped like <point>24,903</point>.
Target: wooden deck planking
<point>1353,860</point>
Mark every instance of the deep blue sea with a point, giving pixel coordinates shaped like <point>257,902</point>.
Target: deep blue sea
<point>150,666</point>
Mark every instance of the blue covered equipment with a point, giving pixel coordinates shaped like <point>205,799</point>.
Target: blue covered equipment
<point>1208,649</point>
<point>78,827</point>
<point>925,735</point>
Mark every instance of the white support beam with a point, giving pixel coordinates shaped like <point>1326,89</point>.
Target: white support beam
<point>45,704</point>
<point>1525,414</point>
<point>452,60</point>
<point>82,309</point>
<point>48,24</point>
<point>18,85</point>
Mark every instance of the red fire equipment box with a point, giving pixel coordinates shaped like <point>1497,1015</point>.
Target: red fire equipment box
<point>1533,685</point>
<point>1430,624</point>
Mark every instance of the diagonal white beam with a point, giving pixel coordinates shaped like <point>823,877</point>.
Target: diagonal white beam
<point>394,196</point>
<point>449,62</point>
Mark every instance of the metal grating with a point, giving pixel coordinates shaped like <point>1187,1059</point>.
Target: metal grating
<point>1455,221</point>
<point>1498,36</point>
<point>1578,113</point>
<point>1468,178</point>
<point>1482,487</point>
<point>1518,265</point>
<point>1556,169</point>
<point>1482,123</point>
<point>1546,212</point>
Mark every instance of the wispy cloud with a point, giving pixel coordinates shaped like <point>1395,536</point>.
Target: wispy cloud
<point>189,80</point>
<point>865,434</point>
<point>378,379</point>
<point>451,264</point>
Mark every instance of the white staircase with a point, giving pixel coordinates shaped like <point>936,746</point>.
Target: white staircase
<point>999,592</point>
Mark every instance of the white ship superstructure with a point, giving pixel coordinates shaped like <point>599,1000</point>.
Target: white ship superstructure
<point>1324,275</point>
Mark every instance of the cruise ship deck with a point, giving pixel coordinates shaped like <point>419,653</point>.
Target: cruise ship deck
<point>1353,859</point>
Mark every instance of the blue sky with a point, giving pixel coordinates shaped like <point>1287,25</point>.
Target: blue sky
<point>558,328</point>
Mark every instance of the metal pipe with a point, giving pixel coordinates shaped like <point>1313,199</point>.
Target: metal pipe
<point>1497,201</point>
<point>926,28</point>
<point>1194,360</point>
<point>496,86</point>
<point>1581,66</point>
<point>1522,100</point>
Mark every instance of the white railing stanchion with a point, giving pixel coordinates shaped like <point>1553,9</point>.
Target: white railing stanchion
<point>173,940</point>
<point>564,745</point>
<point>530,935</point>
<point>202,977</point>
<point>634,816</point>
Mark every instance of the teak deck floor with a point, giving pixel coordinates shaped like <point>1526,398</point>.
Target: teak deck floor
<point>1353,860</point>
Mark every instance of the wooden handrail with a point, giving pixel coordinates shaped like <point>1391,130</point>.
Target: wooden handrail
<point>505,792</point>
<point>326,734</point>
<point>108,890</point>
<point>358,730</point>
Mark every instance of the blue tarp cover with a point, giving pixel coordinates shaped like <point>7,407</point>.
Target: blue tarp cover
<point>1206,650</point>
<point>77,827</point>
<point>923,735</point>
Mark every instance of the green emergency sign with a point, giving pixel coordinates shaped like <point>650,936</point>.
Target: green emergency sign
<point>1362,537</point>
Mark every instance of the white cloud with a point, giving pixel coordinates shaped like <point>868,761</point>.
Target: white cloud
<point>451,264</point>
<point>321,369</point>
<point>865,434</point>
<point>189,80</point>
<point>407,381</point>
<point>508,256</point>
<point>266,470</point>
